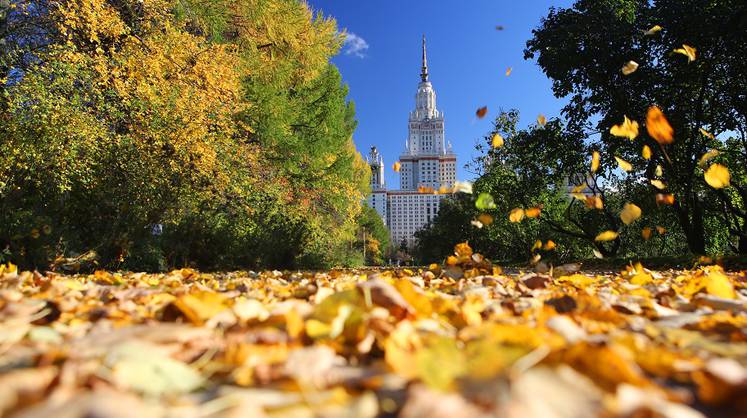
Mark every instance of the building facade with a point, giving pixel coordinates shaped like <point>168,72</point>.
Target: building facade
<point>427,166</point>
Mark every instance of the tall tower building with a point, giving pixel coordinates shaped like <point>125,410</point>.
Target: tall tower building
<point>428,165</point>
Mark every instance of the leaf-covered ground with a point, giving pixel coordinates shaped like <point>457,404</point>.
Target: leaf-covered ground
<point>458,340</point>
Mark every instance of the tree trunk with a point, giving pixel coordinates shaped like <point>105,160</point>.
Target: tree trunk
<point>691,222</point>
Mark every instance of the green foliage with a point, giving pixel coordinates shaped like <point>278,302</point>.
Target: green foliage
<point>582,50</point>
<point>222,121</point>
<point>374,235</point>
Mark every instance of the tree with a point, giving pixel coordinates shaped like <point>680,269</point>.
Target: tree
<point>376,235</point>
<point>584,65</point>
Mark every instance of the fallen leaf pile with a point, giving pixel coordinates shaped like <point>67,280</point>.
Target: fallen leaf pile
<point>462,339</point>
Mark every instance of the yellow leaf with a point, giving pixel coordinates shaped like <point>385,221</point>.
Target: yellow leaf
<point>658,126</point>
<point>594,202</point>
<point>624,165</point>
<point>661,230</point>
<point>627,129</point>
<point>687,51</point>
<point>654,29</point>
<point>717,176</point>
<point>541,120</point>
<point>485,218</point>
<point>629,67</point>
<point>659,171</point>
<point>630,213</point>
<point>711,154</point>
<point>646,233</point>
<point>664,199</point>
<point>717,284</point>
<point>658,184</point>
<point>516,215</point>
<point>508,71</point>
<point>477,224</point>
<point>537,245</point>
<point>594,161</point>
<point>549,245</point>
<point>597,254</point>
<point>497,140</point>
<point>533,212</point>
<point>396,166</point>
<point>200,306</point>
<point>646,152</point>
<point>606,236</point>
<point>706,133</point>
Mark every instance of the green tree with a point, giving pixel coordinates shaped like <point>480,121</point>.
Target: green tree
<point>582,50</point>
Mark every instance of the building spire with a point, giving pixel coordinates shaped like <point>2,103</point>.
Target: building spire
<point>424,69</point>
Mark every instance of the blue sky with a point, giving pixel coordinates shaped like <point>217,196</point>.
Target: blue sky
<point>467,60</point>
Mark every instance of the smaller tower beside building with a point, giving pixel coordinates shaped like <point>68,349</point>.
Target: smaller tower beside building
<point>377,198</point>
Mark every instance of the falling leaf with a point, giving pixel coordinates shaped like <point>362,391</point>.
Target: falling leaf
<point>541,120</point>
<point>594,161</point>
<point>717,176</point>
<point>516,215</point>
<point>629,67</point>
<point>654,30</point>
<point>664,199</point>
<point>646,152</point>
<point>659,171</point>
<point>717,284</point>
<point>624,165</point>
<point>646,233</point>
<point>594,202</point>
<point>658,184</point>
<point>485,218</point>
<point>497,140</point>
<point>462,187</point>
<point>499,27</point>
<point>630,213</point>
<point>687,51</point>
<point>549,245</point>
<point>661,230</point>
<point>597,254</point>
<point>396,166</point>
<point>535,259</point>
<point>476,223</point>
<point>533,212</point>
<point>606,236</point>
<point>706,133</point>
<point>485,201</point>
<point>481,112</point>
<point>537,245</point>
<point>658,126</point>
<point>711,154</point>
<point>627,129</point>
<point>508,71</point>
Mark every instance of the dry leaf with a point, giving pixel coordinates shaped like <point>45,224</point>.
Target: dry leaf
<point>497,140</point>
<point>508,71</point>
<point>706,133</point>
<point>658,184</point>
<point>627,129</point>
<point>646,152</point>
<point>481,112</point>
<point>654,30</point>
<point>606,236</point>
<point>658,126</point>
<point>687,51</point>
<point>516,215</point>
<point>711,154</point>
<point>630,213</point>
<point>664,199</point>
<point>396,166</point>
<point>533,212</point>
<point>594,161</point>
<point>549,245</point>
<point>629,67</point>
<point>717,176</point>
<point>624,165</point>
<point>541,120</point>
<point>646,233</point>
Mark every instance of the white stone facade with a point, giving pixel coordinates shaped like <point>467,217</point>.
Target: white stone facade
<point>427,165</point>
